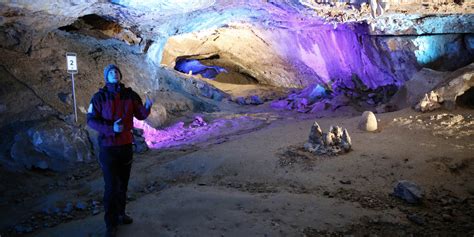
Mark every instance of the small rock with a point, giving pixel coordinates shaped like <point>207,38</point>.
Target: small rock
<point>255,100</point>
<point>81,206</point>
<point>198,122</point>
<point>95,211</point>
<point>69,207</point>
<point>368,122</point>
<point>56,210</point>
<point>240,100</point>
<point>345,182</point>
<point>44,108</point>
<point>408,191</point>
<point>23,229</point>
<point>416,219</point>
<point>65,97</point>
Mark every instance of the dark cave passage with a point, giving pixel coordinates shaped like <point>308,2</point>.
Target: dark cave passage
<point>466,99</point>
<point>213,68</point>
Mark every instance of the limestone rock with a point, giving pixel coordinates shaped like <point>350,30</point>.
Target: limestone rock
<point>428,103</point>
<point>334,142</point>
<point>316,134</point>
<point>428,89</point>
<point>346,140</point>
<point>51,144</point>
<point>448,92</point>
<point>329,139</point>
<point>368,122</point>
<point>414,90</point>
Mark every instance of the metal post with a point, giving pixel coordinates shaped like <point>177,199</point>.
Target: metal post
<point>74,97</point>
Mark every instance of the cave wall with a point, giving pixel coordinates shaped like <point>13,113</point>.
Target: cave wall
<point>42,67</point>
<point>321,54</point>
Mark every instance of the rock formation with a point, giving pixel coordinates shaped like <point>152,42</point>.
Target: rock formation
<point>368,122</point>
<point>336,141</point>
<point>446,94</point>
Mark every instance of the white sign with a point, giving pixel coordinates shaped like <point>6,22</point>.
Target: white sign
<point>71,62</point>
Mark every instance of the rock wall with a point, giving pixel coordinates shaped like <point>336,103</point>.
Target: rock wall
<point>321,54</point>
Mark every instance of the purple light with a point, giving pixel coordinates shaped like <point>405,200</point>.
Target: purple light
<point>198,131</point>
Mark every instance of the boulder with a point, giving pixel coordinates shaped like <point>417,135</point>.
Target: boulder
<point>368,122</point>
<point>428,89</point>
<point>51,144</point>
<point>448,92</point>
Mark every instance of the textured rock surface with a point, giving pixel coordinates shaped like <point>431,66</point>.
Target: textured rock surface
<point>51,144</point>
<point>446,93</point>
<point>318,55</point>
<point>408,191</point>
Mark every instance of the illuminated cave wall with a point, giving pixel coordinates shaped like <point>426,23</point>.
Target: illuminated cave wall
<point>302,56</point>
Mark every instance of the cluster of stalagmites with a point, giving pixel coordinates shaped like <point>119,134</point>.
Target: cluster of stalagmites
<point>335,142</point>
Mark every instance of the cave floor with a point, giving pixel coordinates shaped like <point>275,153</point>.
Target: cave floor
<point>261,183</point>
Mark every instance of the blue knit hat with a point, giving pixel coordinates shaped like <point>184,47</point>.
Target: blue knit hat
<point>110,67</point>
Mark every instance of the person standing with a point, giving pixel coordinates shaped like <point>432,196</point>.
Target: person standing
<point>111,113</point>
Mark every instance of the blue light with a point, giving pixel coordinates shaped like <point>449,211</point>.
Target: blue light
<point>195,66</point>
<point>433,47</point>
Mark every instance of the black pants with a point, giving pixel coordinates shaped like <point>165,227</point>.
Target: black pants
<point>116,163</point>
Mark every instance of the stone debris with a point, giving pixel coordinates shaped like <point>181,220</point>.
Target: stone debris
<point>81,206</point>
<point>429,102</point>
<point>416,219</point>
<point>197,122</point>
<point>446,125</point>
<point>335,142</point>
<point>408,191</point>
<point>368,122</point>
<point>139,143</point>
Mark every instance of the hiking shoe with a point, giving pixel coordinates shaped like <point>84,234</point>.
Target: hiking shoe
<point>125,219</point>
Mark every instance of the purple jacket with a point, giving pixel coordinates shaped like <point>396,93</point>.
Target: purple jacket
<point>113,102</point>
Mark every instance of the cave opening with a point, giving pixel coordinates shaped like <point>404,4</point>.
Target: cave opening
<point>467,99</point>
<point>215,69</point>
<point>92,22</point>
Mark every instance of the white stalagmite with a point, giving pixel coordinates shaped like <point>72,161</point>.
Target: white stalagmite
<point>368,122</point>
<point>334,142</point>
<point>316,134</point>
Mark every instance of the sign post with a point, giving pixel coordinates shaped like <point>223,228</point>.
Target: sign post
<point>72,69</point>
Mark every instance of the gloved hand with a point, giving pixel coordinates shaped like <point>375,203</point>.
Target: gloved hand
<point>148,102</point>
<point>118,126</point>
